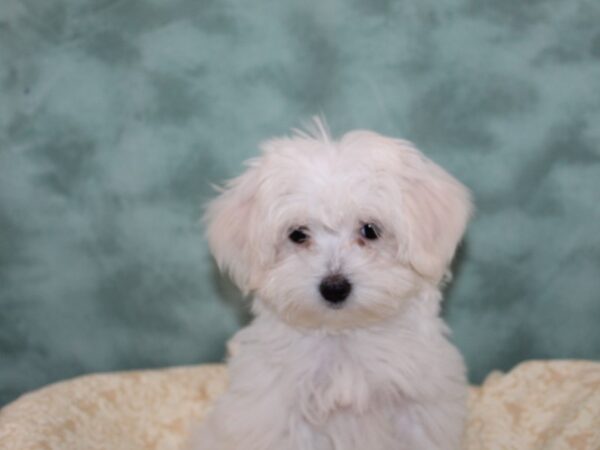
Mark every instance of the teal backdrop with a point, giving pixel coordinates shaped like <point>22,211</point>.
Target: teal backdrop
<point>117,115</point>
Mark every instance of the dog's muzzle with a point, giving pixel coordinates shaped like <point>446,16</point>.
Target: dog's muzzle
<point>335,289</point>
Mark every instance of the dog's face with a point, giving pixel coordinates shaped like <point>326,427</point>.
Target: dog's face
<point>337,235</point>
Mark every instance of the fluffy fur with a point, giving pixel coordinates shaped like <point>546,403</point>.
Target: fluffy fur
<point>377,371</point>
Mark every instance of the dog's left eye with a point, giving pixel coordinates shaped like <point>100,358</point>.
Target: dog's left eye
<point>298,236</point>
<point>370,231</point>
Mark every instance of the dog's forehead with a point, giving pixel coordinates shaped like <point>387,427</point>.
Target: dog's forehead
<point>332,183</point>
<point>357,158</point>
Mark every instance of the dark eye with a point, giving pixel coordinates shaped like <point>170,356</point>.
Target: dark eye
<point>298,236</point>
<point>369,231</point>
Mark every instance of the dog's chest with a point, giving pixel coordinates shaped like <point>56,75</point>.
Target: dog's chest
<point>343,400</point>
<point>338,381</point>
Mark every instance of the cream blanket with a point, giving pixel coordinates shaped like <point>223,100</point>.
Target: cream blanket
<point>538,405</point>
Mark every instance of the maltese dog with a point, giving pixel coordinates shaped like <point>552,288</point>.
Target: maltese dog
<point>344,245</point>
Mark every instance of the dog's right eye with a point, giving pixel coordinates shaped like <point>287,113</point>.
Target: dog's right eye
<point>298,236</point>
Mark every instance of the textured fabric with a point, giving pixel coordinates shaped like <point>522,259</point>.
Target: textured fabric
<point>117,115</point>
<point>547,405</point>
<point>138,410</point>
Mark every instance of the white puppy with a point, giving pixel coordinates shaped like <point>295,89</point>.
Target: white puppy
<point>343,245</point>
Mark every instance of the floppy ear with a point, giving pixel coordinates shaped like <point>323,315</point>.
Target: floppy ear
<point>437,208</point>
<point>233,228</point>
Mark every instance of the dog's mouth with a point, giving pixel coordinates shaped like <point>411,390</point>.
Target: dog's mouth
<point>335,306</point>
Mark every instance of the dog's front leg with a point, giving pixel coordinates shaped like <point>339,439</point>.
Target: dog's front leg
<point>244,422</point>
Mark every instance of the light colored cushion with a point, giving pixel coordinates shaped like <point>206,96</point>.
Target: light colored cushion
<point>538,405</point>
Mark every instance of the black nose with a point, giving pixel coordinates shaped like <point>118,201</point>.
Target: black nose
<point>335,288</point>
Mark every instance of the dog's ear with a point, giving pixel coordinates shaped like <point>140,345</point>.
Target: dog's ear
<point>436,208</point>
<point>233,228</point>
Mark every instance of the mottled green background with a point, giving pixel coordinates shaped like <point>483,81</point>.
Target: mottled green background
<point>115,117</point>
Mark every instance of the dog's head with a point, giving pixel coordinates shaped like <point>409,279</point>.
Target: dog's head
<point>337,234</point>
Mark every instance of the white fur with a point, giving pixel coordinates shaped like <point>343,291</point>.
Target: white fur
<point>377,373</point>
